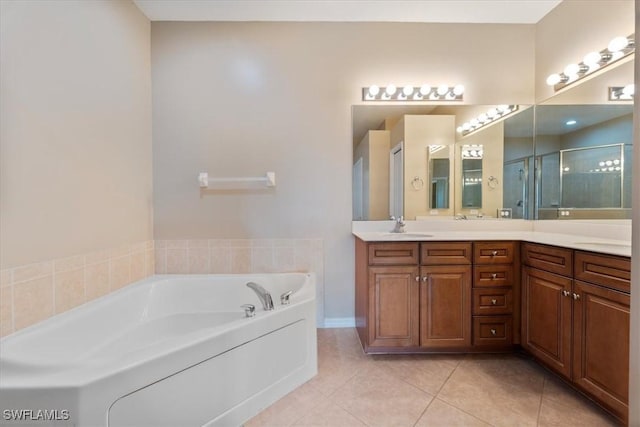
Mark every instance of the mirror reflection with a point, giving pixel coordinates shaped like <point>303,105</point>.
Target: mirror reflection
<point>407,160</point>
<point>580,155</point>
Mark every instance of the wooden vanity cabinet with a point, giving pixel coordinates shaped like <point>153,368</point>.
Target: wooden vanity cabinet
<point>445,295</point>
<point>576,328</point>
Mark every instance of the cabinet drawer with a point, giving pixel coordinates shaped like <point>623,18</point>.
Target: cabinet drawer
<point>492,331</point>
<point>493,252</point>
<point>493,301</point>
<point>445,253</point>
<point>606,270</point>
<point>393,253</point>
<point>548,258</point>
<point>492,275</point>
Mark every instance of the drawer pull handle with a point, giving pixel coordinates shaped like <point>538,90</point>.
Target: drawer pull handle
<point>494,276</point>
<point>576,296</point>
<point>493,332</point>
<point>566,293</point>
<point>494,302</point>
<point>494,253</point>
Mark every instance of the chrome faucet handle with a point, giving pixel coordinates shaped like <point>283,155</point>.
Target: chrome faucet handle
<point>249,310</point>
<point>284,298</point>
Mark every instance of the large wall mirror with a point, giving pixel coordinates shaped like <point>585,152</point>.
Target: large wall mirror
<point>583,151</point>
<point>412,161</point>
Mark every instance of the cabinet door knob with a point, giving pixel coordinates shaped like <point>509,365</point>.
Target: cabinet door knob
<point>425,278</point>
<point>494,302</point>
<point>566,293</point>
<point>494,276</point>
<point>417,278</point>
<point>576,296</point>
<point>494,253</point>
<point>493,332</point>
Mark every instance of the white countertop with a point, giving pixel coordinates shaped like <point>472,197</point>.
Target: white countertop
<point>582,241</point>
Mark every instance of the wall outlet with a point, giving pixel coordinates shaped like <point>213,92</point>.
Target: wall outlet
<point>505,213</point>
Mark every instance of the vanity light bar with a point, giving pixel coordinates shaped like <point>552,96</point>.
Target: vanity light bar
<point>413,93</point>
<point>472,151</point>
<point>617,49</point>
<point>484,119</point>
<point>622,93</point>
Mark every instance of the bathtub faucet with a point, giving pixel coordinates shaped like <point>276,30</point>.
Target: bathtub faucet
<point>265,297</point>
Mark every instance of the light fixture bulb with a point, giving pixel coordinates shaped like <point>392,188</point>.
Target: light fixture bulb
<point>616,161</point>
<point>407,90</point>
<point>503,108</point>
<point>571,122</point>
<point>459,129</point>
<point>466,126</point>
<point>554,79</point>
<point>390,90</point>
<point>474,122</point>
<point>482,118</point>
<point>458,90</point>
<point>629,90</point>
<point>611,169</point>
<point>618,44</point>
<point>442,90</point>
<point>492,112</point>
<point>374,90</point>
<point>601,164</point>
<point>425,89</point>
<point>608,163</point>
<point>618,168</point>
<point>592,58</point>
<point>572,70</point>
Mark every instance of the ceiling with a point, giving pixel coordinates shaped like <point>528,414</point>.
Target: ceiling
<point>447,11</point>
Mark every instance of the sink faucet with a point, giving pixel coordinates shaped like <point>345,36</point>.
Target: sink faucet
<point>399,225</point>
<point>265,297</point>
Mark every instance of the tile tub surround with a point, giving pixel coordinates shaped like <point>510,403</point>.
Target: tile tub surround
<point>239,256</point>
<point>353,389</point>
<point>34,292</point>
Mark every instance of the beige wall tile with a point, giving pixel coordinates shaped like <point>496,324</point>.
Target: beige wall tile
<point>66,264</point>
<point>199,243</point>
<point>69,286</point>
<point>160,244</point>
<point>32,271</point>
<point>218,243</point>
<point>240,260</point>
<point>220,260</point>
<point>96,280</point>
<point>303,258</point>
<point>199,259</point>
<point>138,271</point>
<point>239,243</point>
<point>149,245</point>
<point>262,243</point>
<point>6,277</point>
<point>120,272</point>
<point>121,251</point>
<point>98,256</point>
<point>149,263</point>
<point>160,260</point>
<point>177,262</point>
<point>6,310</point>
<point>32,301</point>
<point>284,259</point>
<point>262,260</point>
<point>176,244</point>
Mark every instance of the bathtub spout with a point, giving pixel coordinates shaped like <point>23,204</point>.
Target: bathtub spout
<point>265,297</point>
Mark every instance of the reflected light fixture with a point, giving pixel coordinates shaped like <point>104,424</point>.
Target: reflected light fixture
<point>571,122</point>
<point>622,93</point>
<point>424,92</point>
<point>493,115</point>
<point>617,48</point>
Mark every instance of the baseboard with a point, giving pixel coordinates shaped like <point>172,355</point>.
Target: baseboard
<point>339,322</point>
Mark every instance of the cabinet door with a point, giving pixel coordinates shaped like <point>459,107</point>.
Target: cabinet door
<point>601,345</point>
<point>445,306</point>
<point>546,318</point>
<point>393,306</point>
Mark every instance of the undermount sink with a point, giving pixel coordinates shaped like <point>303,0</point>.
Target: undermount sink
<point>616,245</point>
<point>413,235</point>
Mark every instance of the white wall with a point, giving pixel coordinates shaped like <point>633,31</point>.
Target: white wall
<point>75,141</point>
<point>243,98</point>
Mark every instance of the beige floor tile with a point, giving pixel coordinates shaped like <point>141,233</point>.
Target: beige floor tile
<point>328,414</point>
<point>501,390</point>
<point>427,372</point>
<point>441,414</point>
<point>380,399</point>
<point>582,414</point>
<point>290,408</point>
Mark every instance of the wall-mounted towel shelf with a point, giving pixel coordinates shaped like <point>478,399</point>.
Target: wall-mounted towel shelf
<point>269,180</point>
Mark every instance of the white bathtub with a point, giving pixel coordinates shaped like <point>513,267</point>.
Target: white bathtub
<point>167,351</point>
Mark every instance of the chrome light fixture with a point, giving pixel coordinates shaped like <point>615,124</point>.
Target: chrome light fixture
<point>413,93</point>
<point>622,93</point>
<point>491,116</point>
<point>617,49</point>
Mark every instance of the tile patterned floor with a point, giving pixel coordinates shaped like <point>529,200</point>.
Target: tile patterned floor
<point>353,389</point>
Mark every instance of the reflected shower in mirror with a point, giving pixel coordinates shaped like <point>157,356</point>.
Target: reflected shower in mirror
<point>583,156</point>
<point>472,176</point>
<point>439,171</point>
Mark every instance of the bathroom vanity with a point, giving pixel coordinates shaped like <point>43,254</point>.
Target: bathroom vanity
<point>565,306</point>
